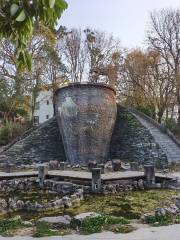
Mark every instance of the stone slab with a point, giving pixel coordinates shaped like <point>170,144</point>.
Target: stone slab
<point>80,175</point>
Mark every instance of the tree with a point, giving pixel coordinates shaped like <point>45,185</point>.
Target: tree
<point>86,51</point>
<point>73,52</point>
<point>18,19</point>
<point>27,85</point>
<point>146,81</point>
<point>164,36</point>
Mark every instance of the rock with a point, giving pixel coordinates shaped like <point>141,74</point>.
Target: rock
<point>3,204</point>
<point>160,212</point>
<point>59,221</point>
<point>20,204</point>
<point>177,203</point>
<point>141,184</point>
<point>135,184</point>
<point>53,165</point>
<point>82,216</point>
<point>66,201</point>
<point>79,194</point>
<point>59,202</point>
<point>172,209</point>
<point>27,223</point>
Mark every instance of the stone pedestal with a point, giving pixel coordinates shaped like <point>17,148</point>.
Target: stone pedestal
<point>102,167</point>
<point>8,167</point>
<point>149,173</point>
<point>116,164</point>
<point>96,180</point>
<point>62,166</point>
<point>42,172</point>
<point>91,165</point>
<point>134,166</point>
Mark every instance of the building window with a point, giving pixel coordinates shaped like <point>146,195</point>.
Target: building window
<point>36,120</point>
<point>37,106</point>
<point>47,116</point>
<point>47,102</point>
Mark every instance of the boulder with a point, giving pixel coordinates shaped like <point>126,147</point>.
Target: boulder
<point>160,212</point>
<point>66,201</point>
<point>59,221</point>
<point>141,184</point>
<point>82,216</point>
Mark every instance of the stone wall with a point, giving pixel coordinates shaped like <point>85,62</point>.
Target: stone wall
<point>40,145</point>
<point>130,142</point>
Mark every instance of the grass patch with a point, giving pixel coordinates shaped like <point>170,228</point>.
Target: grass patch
<point>158,221</point>
<point>121,228</point>
<point>42,230</point>
<point>91,225</point>
<point>6,225</point>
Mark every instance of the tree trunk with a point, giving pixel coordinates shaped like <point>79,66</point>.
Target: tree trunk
<point>178,103</point>
<point>160,115</point>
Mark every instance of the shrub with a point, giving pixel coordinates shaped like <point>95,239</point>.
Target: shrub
<point>159,220</point>
<point>10,131</point>
<point>170,123</point>
<point>95,224</point>
<point>9,224</point>
<point>42,230</point>
<point>148,110</point>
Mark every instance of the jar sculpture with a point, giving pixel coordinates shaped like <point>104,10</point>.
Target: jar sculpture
<point>86,115</point>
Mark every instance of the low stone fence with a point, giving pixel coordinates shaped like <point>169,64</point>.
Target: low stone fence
<point>72,194</point>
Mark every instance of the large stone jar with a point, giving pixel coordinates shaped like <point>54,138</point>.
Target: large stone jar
<point>86,115</point>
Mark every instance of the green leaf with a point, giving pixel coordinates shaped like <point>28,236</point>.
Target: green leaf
<point>14,8</point>
<point>21,17</point>
<point>52,3</point>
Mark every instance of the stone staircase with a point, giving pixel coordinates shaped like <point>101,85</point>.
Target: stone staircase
<point>170,148</point>
<point>131,141</point>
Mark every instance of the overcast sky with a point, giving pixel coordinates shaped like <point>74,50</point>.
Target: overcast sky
<point>126,19</point>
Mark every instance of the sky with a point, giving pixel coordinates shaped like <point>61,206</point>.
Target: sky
<point>126,19</point>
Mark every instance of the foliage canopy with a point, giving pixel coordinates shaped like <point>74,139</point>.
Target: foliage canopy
<point>19,17</point>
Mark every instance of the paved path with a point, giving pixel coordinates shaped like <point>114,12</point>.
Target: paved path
<point>170,148</point>
<point>152,233</point>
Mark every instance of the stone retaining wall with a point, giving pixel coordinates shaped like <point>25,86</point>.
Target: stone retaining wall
<point>130,142</point>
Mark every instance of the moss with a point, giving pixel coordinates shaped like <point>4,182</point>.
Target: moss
<point>131,205</point>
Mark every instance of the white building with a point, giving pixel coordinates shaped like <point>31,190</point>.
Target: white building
<point>44,106</point>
